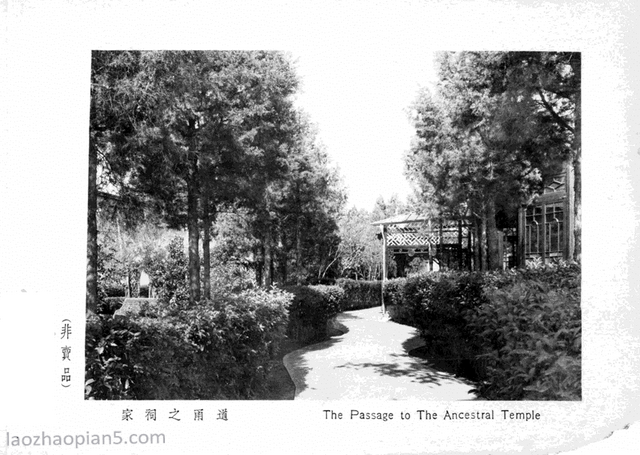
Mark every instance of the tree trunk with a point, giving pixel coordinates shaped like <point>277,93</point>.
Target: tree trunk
<point>477,253</point>
<point>577,170</point>
<point>206,245</point>
<point>268,252</point>
<point>299,250</point>
<point>128,292</point>
<point>283,267</point>
<point>259,265</point>
<point>92,231</point>
<point>482,241</point>
<point>136,283</point>
<point>494,261</point>
<point>194,235</point>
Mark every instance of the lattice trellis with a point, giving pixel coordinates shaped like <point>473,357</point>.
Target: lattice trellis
<point>413,237</point>
<point>443,243</point>
<point>407,239</point>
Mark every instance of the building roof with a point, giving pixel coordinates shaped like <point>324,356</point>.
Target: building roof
<point>406,218</point>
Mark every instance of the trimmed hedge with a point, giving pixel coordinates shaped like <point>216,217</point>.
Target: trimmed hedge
<point>162,350</point>
<point>311,309</point>
<point>394,301</point>
<point>436,303</point>
<point>200,353</point>
<point>359,294</point>
<point>517,333</point>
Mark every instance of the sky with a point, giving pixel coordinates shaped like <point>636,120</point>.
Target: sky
<point>359,97</point>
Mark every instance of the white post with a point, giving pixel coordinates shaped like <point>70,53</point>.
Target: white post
<point>384,265</point>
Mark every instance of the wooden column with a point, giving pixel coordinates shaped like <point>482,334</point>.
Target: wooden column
<point>441,263</point>
<point>521,259</point>
<point>430,252</point>
<point>383,231</point>
<point>569,218</point>
<point>544,233</point>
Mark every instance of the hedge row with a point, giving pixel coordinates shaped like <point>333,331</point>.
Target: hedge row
<point>313,306</point>
<point>359,294</point>
<point>152,349</point>
<point>310,311</point>
<point>517,333</point>
<point>201,353</point>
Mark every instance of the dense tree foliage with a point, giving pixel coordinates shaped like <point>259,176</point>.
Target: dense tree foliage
<point>288,231</point>
<point>191,134</point>
<point>360,249</point>
<point>497,123</point>
<point>118,107</point>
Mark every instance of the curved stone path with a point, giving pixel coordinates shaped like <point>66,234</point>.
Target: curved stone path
<point>370,361</point>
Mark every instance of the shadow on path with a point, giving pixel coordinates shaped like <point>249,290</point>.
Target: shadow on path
<point>371,360</point>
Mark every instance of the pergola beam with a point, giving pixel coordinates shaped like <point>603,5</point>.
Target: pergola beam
<point>383,230</point>
<point>411,233</point>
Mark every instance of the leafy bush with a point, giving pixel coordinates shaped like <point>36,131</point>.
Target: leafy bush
<point>360,294</point>
<point>109,273</point>
<point>230,278</point>
<point>393,294</point>
<point>530,335</point>
<point>201,353</point>
<point>140,307</point>
<point>516,332</point>
<point>111,291</point>
<point>393,291</point>
<point>109,305</point>
<point>333,294</point>
<point>109,370</point>
<point>169,276</point>
<point>437,304</point>
<point>310,310</point>
<point>565,275</point>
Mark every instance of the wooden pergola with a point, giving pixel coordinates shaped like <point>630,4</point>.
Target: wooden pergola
<point>446,243</point>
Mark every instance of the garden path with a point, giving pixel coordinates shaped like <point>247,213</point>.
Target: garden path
<point>371,361</point>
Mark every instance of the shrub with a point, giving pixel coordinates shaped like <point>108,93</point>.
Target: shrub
<point>333,294</point>
<point>530,334</point>
<point>109,305</point>
<point>169,276</point>
<point>392,291</point>
<point>109,371</point>
<point>565,275</point>
<point>437,304</point>
<point>518,332</point>
<point>394,301</point>
<point>311,309</point>
<point>140,307</point>
<point>202,353</point>
<point>231,278</point>
<point>360,294</point>
<point>112,291</point>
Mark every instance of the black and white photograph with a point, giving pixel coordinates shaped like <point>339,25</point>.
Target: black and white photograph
<point>226,262</point>
<point>353,227</point>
